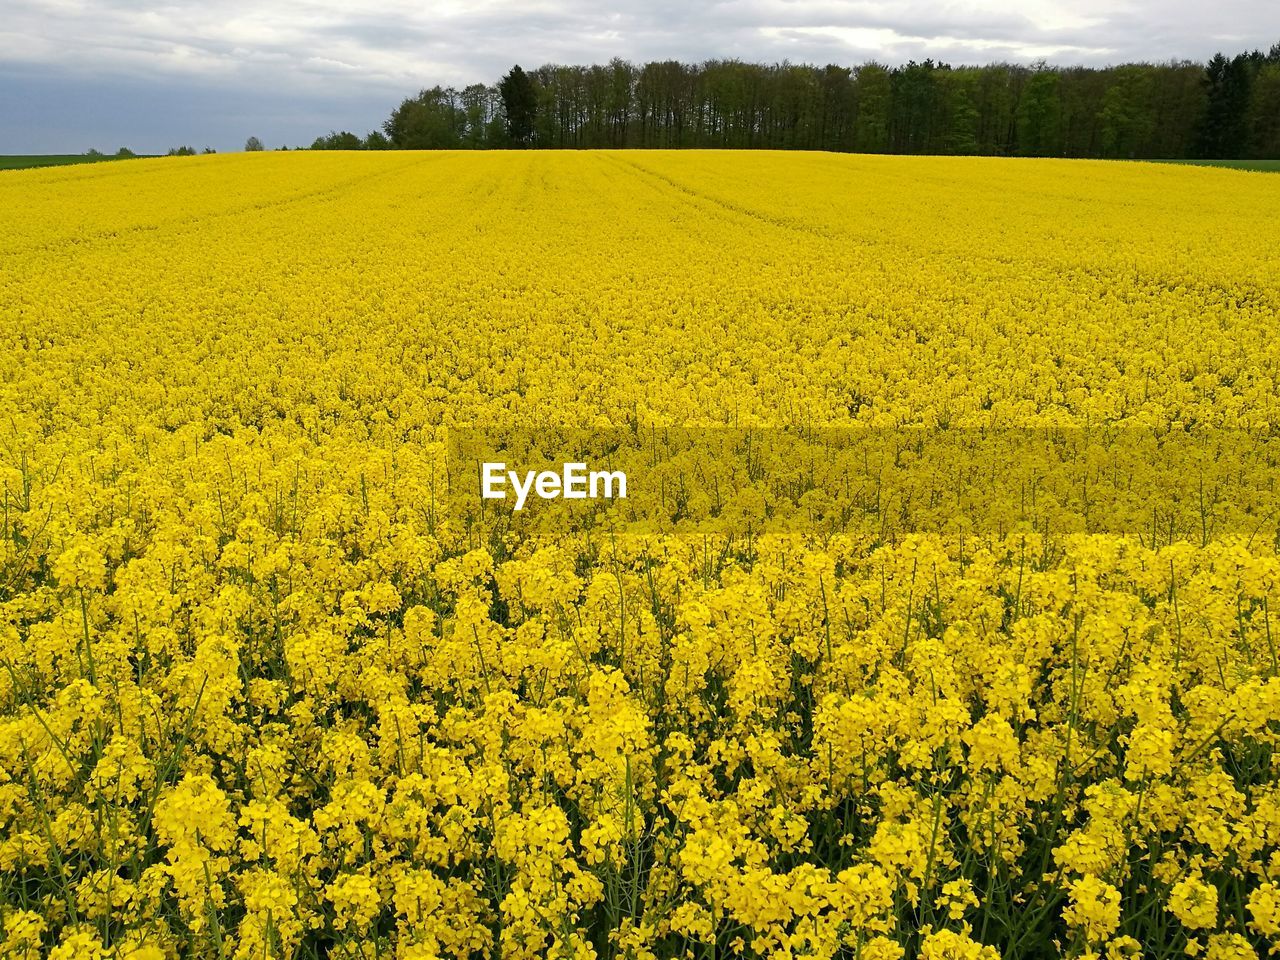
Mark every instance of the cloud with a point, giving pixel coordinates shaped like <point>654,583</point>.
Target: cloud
<point>268,58</point>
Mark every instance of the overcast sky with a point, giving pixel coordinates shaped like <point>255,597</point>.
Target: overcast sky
<point>107,73</point>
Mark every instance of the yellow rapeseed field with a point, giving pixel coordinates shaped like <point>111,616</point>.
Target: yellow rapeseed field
<point>264,695</point>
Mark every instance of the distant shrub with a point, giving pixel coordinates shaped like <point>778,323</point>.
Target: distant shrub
<point>338,141</point>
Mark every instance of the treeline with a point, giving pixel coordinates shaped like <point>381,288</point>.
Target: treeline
<point>1227,108</point>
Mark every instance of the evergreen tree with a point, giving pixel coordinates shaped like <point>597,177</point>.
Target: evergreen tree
<point>520,104</point>
<point>1223,132</point>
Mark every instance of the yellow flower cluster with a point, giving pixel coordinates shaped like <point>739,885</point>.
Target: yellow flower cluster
<point>263,694</point>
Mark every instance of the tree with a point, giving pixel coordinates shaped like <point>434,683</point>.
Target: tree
<point>838,106</point>
<point>124,153</point>
<point>998,90</point>
<point>338,141</point>
<point>875,95</point>
<point>1178,102</point>
<point>1174,109</point>
<point>1040,115</point>
<point>1222,131</point>
<point>914,108</point>
<point>181,152</point>
<point>1264,109</point>
<point>519,104</point>
<point>481,109</point>
<point>252,145</point>
<point>621,83</point>
<point>958,111</point>
<point>433,120</point>
<point>1127,118</point>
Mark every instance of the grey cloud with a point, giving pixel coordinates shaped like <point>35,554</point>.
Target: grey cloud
<point>253,65</point>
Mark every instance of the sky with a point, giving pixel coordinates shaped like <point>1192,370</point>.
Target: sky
<point>76,74</point>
